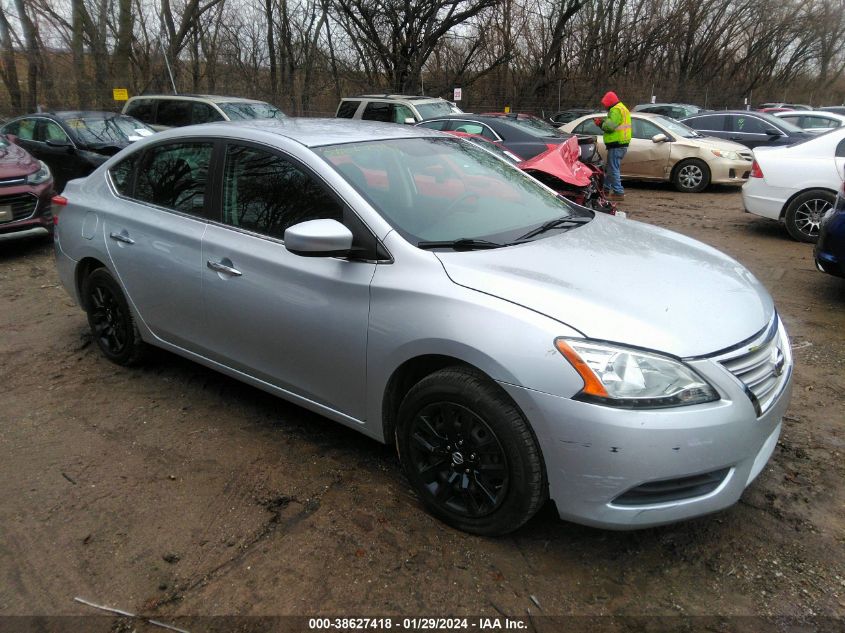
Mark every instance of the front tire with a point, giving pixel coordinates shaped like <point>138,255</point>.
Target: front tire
<point>469,453</point>
<point>804,214</point>
<point>110,319</point>
<point>691,176</point>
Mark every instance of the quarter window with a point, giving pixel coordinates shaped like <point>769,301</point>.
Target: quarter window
<point>175,176</point>
<point>265,193</point>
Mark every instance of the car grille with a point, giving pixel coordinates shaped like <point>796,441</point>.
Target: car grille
<point>762,365</point>
<point>669,490</point>
<point>23,205</point>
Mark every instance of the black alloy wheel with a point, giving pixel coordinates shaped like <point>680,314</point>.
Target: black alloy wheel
<point>469,453</point>
<point>110,319</point>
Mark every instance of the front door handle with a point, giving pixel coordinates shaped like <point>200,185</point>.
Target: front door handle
<point>123,236</point>
<point>220,267</point>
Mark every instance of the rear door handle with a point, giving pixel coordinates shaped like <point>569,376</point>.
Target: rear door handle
<point>123,236</point>
<point>220,267</point>
<point>734,138</point>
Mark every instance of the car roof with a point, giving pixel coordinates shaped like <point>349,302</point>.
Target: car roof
<point>306,131</point>
<point>197,97</point>
<point>394,97</point>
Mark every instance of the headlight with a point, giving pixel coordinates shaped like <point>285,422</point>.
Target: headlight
<point>41,176</point>
<point>629,379</point>
<point>725,154</point>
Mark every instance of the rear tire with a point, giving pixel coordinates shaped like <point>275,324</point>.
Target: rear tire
<point>804,214</point>
<point>691,176</point>
<point>110,319</point>
<point>469,453</point>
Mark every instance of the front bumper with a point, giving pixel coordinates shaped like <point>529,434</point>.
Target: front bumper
<point>596,456</point>
<point>730,172</point>
<point>31,207</point>
<point>829,251</point>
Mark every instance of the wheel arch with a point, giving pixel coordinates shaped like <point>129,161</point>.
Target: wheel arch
<point>84,268</point>
<point>801,192</point>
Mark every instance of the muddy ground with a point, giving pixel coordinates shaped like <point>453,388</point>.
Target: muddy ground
<point>171,489</point>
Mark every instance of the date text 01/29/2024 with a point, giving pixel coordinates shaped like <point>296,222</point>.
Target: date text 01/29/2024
<point>417,624</point>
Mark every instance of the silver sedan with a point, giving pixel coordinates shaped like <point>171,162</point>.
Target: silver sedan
<point>514,347</point>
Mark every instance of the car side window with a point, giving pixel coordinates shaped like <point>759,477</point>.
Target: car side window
<point>588,127</point>
<point>347,109</point>
<point>142,109</point>
<point>401,112</point>
<point>50,131</point>
<point>714,123</point>
<point>441,125</point>
<point>204,113</point>
<point>24,129</point>
<point>797,120</point>
<point>122,174</point>
<point>377,111</point>
<point>175,176</point>
<point>643,129</point>
<point>174,113</point>
<point>748,125</point>
<point>470,128</point>
<point>266,193</point>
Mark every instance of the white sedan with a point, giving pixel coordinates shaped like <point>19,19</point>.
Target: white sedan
<point>797,184</point>
<point>814,121</point>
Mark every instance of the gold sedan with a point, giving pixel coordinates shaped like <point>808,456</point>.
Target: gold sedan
<point>664,149</point>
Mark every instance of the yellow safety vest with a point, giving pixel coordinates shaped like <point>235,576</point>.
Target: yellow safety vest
<point>621,134</point>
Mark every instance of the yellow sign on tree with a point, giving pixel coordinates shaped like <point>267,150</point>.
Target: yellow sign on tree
<point>120,94</point>
<point>507,109</point>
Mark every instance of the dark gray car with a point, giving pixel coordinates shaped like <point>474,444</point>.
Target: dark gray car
<point>752,129</point>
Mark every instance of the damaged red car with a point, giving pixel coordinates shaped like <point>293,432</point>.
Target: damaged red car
<point>559,168</point>
<point>26,190</point>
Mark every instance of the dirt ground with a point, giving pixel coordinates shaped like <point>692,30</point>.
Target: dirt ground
<point>173,490</point>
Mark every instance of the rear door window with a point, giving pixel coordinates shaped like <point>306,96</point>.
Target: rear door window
<point>378,111</point>
<point>175,176</point>
<point>712,122</point>
<point>122,175</point>
<point>748,124</point>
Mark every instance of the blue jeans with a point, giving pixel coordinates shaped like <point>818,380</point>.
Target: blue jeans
<point>613,174</point>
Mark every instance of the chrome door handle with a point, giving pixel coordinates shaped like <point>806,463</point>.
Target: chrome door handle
<point>121,237</point>
<point>223,268</point>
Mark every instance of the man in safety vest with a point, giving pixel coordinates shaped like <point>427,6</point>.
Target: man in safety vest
<point>617,134</point>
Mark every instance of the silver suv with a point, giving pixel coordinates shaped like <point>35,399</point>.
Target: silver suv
<point>408,109</point>
<point>162,112</point>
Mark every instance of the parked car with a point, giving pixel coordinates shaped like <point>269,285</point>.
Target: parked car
<point>829,251</point>
<point>676,111</point>
<point>664,150</point>
<point>162,112</point>
<point>74,143</point>
<point>840,109</point>
<point>389,108</point>
<point>815,122</point>
<point>797,185</point>
<point>752,129</point>
<point>26,187</point>
<point>785,106</point>
<point>524,135</point>
<point>571,355</point>
<point>565,116</point>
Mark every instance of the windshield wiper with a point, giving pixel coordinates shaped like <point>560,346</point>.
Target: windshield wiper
<point>461,244</point>
<point>554,224</point>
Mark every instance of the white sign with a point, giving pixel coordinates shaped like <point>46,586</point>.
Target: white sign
<point>457,96</point>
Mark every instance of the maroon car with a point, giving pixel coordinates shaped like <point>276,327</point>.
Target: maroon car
<point>26,189</point>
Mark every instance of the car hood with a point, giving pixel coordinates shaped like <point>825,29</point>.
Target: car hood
<point>15,162</point>
<point>623,281</point>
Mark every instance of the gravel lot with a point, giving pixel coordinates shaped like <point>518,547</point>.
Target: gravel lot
<point>172,490</point>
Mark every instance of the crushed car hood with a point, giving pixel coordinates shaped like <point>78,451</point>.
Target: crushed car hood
<point>562,162</point>
<point>627,282</point>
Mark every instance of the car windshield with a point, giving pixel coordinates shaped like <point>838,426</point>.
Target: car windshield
<point>443,189</point>
<point>108,130</point>
<point>675,127</point>
<point>242,110</point>
<point>536,127</point>
<point>436,108</point>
